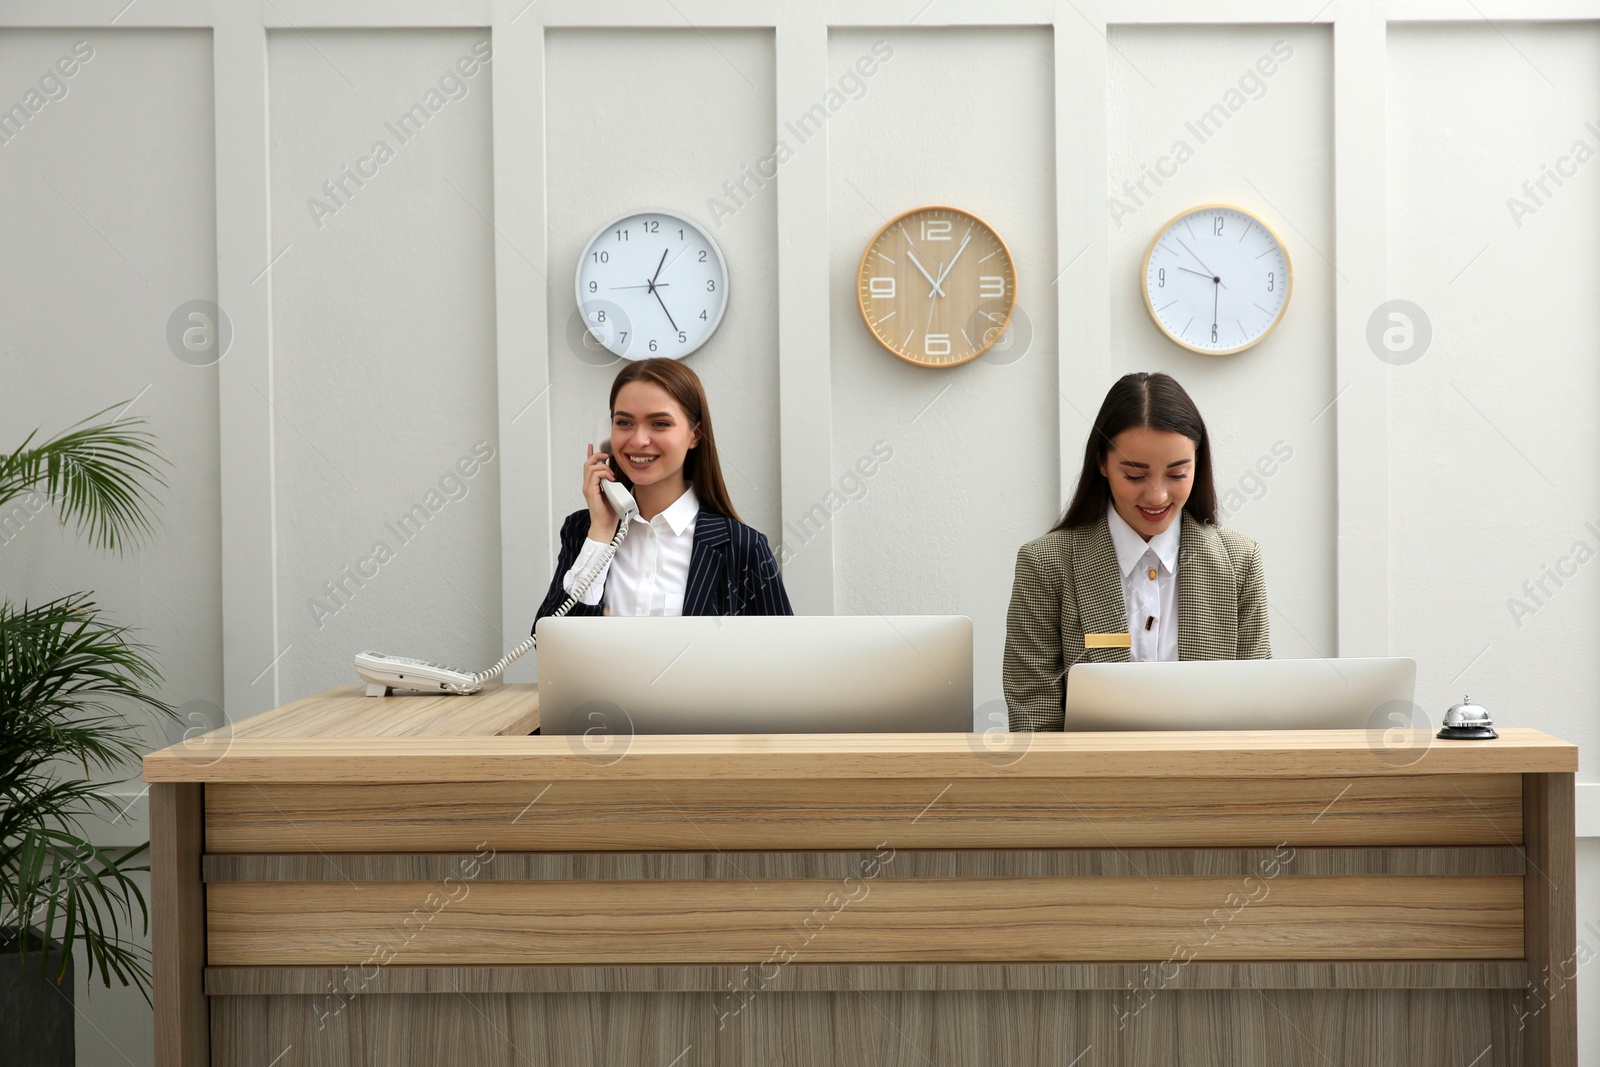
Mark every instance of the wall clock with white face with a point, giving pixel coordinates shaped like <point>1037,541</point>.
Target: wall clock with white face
<point>937,286</point>
<point>652,283</point>
<point>1216,279</point>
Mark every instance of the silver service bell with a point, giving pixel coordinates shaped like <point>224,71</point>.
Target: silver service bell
<point>1467,721</point>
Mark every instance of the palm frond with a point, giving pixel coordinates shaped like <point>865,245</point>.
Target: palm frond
<point>68,680</point>
<point>59,883</point>
<point>95,473</point>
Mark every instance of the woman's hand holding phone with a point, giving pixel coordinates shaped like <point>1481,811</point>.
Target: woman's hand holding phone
<point>602,519</point>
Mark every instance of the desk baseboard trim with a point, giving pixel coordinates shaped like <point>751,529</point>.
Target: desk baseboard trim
<point>906,863</point>
<point>813,978</point>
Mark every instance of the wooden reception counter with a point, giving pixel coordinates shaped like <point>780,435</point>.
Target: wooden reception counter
<point>414,880</point>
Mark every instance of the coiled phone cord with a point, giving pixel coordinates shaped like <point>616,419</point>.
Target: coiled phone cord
<point>579,587</point>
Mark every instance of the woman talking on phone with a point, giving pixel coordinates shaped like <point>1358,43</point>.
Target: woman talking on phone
<point>1137,569</point>
<point>686,552</point>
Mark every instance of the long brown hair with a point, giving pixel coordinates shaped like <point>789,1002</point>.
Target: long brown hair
<point>700,466</point>
<point>1141,400</point>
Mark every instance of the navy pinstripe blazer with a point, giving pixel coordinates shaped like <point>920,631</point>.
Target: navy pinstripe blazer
<point>731,570</point>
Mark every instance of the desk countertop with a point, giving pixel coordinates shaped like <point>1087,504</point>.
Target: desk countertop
<point>342,736</point>
<point>346,711</point>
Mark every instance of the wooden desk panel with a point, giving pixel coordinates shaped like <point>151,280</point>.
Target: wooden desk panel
<point>930,813</point>
<point>891,1028</point>
<point>857,920</point>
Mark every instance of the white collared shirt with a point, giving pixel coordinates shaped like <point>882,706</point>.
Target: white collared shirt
<point>650,572</point>
<point>1149,600</point>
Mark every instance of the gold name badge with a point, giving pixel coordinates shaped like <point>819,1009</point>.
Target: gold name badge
<point>1107,640</point>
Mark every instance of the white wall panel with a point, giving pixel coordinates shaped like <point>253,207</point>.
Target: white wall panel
<point>1194,120</point>
<point>1588,864</point>
<point>106,227</point>
<point>383,349</point>
<point>961,117</point>
<point>1495,490</point>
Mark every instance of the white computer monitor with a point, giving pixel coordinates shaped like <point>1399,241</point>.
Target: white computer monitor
<point>756,674</point>
<point>1245,694</point>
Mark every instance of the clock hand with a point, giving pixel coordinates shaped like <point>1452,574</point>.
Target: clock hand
<point>659,265</point>
<point>646,285</point>
<point>912,256</point>
<point>663,304</point>
<point>946,271</point>
<point>673,261</point>
<point>1189,250</point>
<point>1207,277</point>
<point>1216,294</point>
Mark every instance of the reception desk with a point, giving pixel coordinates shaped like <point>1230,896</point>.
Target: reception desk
<point>414,880</point>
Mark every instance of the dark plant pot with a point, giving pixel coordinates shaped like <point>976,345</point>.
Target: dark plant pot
<point>36,1024</point>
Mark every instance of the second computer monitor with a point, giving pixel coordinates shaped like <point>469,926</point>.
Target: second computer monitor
<point>1245,694</point>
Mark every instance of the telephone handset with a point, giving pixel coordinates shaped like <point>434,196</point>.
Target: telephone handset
<point>384,673</point>
<point>620,499</point>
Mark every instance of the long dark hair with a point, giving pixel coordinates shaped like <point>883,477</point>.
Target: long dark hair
<point>1137,401</point>
<point>701,466</point>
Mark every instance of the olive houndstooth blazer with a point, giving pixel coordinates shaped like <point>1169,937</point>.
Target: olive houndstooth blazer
<point>1067,584</point>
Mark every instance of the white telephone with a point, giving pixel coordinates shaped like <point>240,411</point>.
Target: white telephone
<point>384,673</point>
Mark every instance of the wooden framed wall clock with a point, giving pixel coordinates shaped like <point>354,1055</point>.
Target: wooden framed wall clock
<point>937,286</point>
<point>652,284</point>
<point>1217,279</point>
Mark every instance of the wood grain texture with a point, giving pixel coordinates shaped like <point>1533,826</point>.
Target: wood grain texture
<point>977,290</point>
<point>822,977</point>
<point>866,920</point>
<point>177,926</point>
<point>1192,1028</point>
<point>347,712</point>
<point>756,757</point>
<point>571,816</point>
<point>908,863</point>
<point>1550,1010</point>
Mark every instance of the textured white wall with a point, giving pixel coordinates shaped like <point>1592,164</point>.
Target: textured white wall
<point>383,349</point>
<point>386,364</point>
<point>1494,437</point>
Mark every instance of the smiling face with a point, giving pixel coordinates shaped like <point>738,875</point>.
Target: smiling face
<point>1150,473</point>
<point>650,435</point>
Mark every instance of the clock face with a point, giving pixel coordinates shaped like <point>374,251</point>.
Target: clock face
<point>1216,279</point>
<point>652,284</point>
<point>937,287</point>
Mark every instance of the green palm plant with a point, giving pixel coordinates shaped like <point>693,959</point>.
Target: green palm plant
<point>68,679</point>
